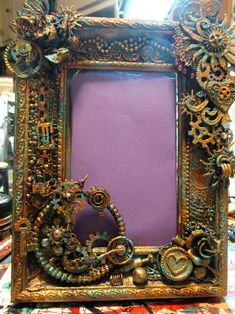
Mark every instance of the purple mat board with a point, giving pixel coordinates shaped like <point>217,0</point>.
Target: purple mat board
<point>124,136</point>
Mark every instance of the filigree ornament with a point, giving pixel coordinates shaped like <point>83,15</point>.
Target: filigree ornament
<point>59,34</point>
<point>61,255</point>
<point>198,9</point>
<point>208,47</point>
<point>201,133</point>
<point>135,48</point>
<point>210,128</point>
<point>201,37</point>
<point>31,19</point>
<point>202,119</point>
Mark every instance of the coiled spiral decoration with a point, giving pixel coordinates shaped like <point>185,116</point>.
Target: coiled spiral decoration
<point>57,249</point>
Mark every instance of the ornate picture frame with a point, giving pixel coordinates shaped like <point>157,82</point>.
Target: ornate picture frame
<point>201,50</point>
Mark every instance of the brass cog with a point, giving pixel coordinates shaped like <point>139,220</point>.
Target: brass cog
<point>219,74</point>
<point>104,237</point>
<point>221,94</point>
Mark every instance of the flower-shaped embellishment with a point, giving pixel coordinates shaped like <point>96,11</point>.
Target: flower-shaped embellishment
<point>201,248</point>
<point>54,240</point>
<point>202,38</point>
<point>217,42</point>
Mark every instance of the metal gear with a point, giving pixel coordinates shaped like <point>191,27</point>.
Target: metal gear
<point>104,237</point>
<point>221,94</point>
<point>37,200</point>
<point>74,262</point>
<point>120,250</point>
<point>73,243</point>
<point>219,74</point>
<point>23,58</point>
<point>207,73</point>
<point>216,39</point>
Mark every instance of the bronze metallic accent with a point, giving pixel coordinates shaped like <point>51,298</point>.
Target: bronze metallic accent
<point>175,264</point>
<point>57,248</point>
<point>140,275</point>
<point>207,47</point>
<point>49,261</point>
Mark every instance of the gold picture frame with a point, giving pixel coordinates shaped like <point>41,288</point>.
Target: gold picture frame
<point>201,50</point>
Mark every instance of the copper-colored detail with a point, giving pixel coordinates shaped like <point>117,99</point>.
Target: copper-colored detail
<point>58,250</point>
<point>133,49</point>
<point>140,276</point>
<point>19,177</point>
<point>166,27</point>
<point>20,148</point>
<point>5,220</point>
<point>124,293</point>
<point>175,264</point>
<point>49,45</point>
<point>193,253</point>
<point>208,47</point>
<point>23,59</point>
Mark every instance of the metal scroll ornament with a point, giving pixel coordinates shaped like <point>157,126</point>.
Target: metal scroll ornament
<point>206,50</point>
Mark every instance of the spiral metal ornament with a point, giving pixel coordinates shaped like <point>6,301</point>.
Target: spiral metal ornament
<point>98,199</point>
<point>23,58</point>
<point>58,250</point>
<point>8,59</point>
<point>225,165</point>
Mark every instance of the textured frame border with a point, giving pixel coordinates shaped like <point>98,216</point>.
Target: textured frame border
<point>48,45</point>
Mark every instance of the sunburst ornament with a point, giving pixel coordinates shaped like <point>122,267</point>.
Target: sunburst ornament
<point>203,40</point>
<point>216,42</point>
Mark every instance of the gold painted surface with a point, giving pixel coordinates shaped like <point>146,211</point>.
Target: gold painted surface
<point>49,263</point>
